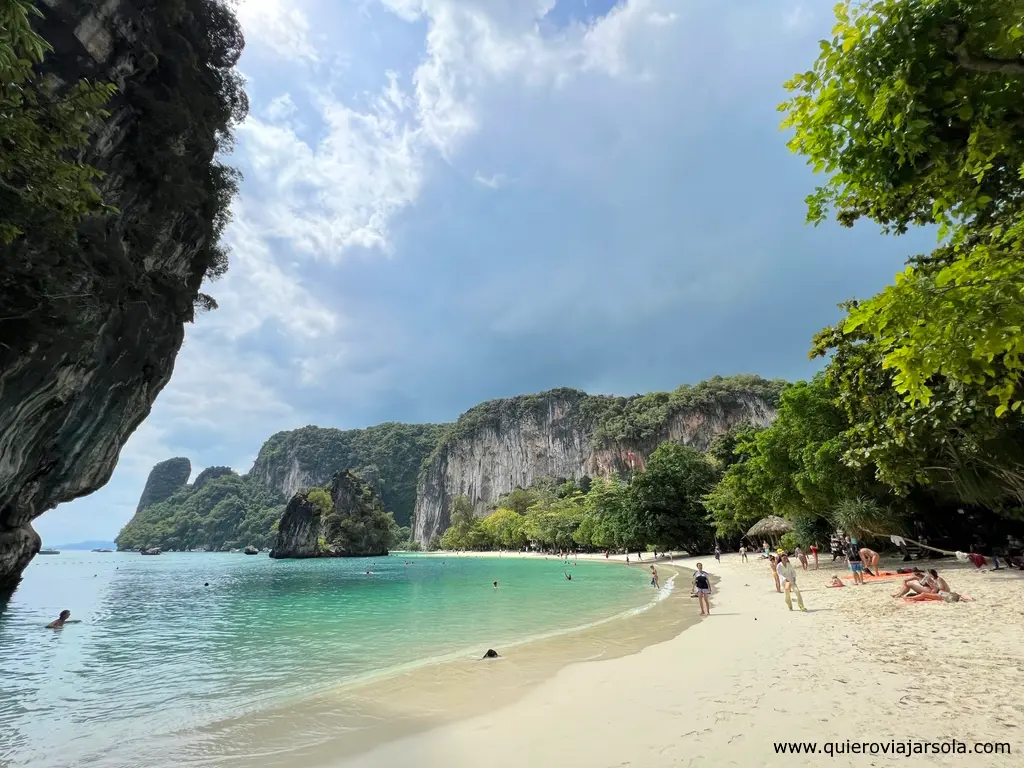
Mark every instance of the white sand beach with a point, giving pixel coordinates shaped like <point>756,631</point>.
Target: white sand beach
<point>857,666</point>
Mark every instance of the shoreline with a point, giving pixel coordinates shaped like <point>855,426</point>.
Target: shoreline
<point>353,718</point>
<point>858,666</point>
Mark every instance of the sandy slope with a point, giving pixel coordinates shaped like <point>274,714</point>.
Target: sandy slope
<point>858,665</point>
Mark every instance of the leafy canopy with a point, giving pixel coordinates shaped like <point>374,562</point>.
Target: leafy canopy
<point>915,110</point>
<point>44,190</point>
<point>666,500</point>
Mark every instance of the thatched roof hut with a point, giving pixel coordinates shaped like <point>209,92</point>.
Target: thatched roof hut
<point>772,526</point>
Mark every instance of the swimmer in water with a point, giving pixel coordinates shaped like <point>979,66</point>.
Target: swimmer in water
<point>60,621</point>
<point>495,585</point>
<point>568,575</point>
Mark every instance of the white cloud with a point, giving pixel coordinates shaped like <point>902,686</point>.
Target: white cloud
<point>796,19</point>
<point>278,25</point>
<point>662,19</point>
<point>281,108</point>
<point>497,181</point>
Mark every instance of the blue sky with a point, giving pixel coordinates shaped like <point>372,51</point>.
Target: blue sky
<point>447,201</point>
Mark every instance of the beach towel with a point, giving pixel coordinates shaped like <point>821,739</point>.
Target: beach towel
<point>871,577</point>
<point>835,586</point>
<point>930,597</point>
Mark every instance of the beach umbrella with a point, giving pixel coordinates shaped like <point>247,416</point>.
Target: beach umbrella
<point>772,526</point>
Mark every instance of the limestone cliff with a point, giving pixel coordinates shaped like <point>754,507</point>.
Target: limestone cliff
<point>351,522</point>
<point>387,456</point>
<point>504,444</point>
<point>164,479</point>
<point>221,510</point>
<point>89,330</point>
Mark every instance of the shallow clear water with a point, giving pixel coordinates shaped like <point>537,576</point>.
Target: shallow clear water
<point>156,651</point>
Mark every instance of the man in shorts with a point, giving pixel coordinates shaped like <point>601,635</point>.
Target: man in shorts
<point>854,560</point>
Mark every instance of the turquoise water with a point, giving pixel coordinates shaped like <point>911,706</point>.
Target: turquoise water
<point>158,652</point>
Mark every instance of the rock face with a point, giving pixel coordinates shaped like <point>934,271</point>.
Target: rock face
<point>569,434</point>
<point>387,456</point>
<point>164,479</point>
<point>89,333</point>
<point>351,523</point>
<point>210,473</point>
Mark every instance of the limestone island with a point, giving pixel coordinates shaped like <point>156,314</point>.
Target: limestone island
<point>347,519</point>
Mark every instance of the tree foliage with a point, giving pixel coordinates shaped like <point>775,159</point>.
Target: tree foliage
<point>226,512</point>
<point>44,189</point>
<point>915,110</point>
<point>793,468</point>
<point>666,501</point>
<point>387,456</point>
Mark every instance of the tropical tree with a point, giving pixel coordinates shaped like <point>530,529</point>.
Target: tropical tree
<point>44,190</point>
<point>606,523</point>
<point>915,110</point>
<point>666,504</point>
<point>504,528</point>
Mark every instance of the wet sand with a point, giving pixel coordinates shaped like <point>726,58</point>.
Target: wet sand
<point>352,720</point>
<point>857,666</point>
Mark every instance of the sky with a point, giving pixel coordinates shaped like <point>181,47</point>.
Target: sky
<point>448,201</point>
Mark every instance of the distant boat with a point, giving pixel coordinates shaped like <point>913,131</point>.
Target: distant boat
<point>251,550</point>
<point>101,550</point>
<point>153,551</point>
<point>49,551</point>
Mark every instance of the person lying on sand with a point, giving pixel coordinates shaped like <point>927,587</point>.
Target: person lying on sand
<point>920,583</point>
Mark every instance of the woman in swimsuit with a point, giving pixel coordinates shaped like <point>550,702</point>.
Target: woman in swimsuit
<point>702,586</point>
<point>772,562</point>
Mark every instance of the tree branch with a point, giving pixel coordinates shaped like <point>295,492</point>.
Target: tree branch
<point>989,64</point>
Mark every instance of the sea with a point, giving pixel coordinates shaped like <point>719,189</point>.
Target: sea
<point>167,654</point>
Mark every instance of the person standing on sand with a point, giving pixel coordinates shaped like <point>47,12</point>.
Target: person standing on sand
<point>788,574</point>
<point>718,553</point>
<point>814,554</point>
<point>772,562</point>
<point>799,553</point>
<point>854,561</point>
<point>702,586</point>
<point>743,553</point>
<point>654,578</point>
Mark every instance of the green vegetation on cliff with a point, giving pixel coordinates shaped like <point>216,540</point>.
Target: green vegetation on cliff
<point>662,507</point>
<point>225,512</point>
<point>636,418</point>
<point>164,479</point>
<point>44,190</point>
<point>387,456</point>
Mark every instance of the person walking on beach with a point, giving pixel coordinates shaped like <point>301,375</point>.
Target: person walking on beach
<point>743,553</point>
<point>799,554</point>
<point>702,586</point>
<point>772,562</point>
<point>788,574</point>
<point>654,578</point>
<point>718,553</point>
<point>854,561</point>
<point>814,554</point>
